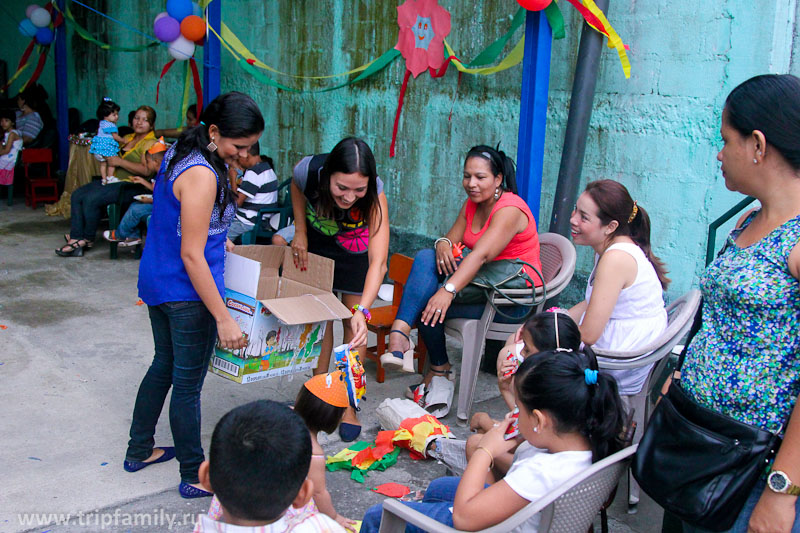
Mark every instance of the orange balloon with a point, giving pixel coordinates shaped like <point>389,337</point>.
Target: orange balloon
<point>193,28</point>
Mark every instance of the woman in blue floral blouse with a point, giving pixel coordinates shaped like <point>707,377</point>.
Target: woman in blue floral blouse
<point>745,360</point>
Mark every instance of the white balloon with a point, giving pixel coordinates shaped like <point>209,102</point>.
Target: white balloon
<point>181,48</point>
<point>160,15</point>
<point>40,17</point>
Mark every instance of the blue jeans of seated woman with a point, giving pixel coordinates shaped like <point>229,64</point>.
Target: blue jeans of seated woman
<point>740,526</point>
<point>423,282</point>
<point>436,504</point>
<point>88,206</point>
<point>184,334</point>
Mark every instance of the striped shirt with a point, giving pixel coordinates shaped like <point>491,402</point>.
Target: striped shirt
<point>260,187</point>
<point>29,125</point>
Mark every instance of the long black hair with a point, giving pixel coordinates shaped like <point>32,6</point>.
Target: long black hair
<point>578,401</point>
<point>546,335</point>
<point>769,103</point>
<point>499,163</point>
<point>236,115</point>
<point>106,107</point>
<point>614,202</point>
<point>350,155</point>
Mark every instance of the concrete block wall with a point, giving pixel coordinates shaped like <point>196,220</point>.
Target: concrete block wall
<point>657,133</point>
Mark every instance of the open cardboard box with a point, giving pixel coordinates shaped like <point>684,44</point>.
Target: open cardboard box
<point>281,310</point>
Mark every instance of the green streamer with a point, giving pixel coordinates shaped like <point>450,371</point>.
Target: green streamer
<point>379,64</point>
<point>489,54</point>
<point>263,78</point>
<point>556,20</point>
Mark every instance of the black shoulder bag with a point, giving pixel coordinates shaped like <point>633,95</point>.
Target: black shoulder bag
<point>698,464</point>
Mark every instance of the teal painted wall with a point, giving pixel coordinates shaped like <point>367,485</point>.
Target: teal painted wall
<point>657,132</point>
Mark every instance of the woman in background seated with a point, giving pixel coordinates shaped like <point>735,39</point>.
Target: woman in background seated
<point>495,224</point>
<point>89,202</point>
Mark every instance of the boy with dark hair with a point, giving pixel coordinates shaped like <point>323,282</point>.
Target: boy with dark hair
<point>259,188</point>
<point>258,462</point>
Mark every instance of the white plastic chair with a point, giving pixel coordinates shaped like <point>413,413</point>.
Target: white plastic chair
<point>569,508</point>
<point>679,320</point>
<point>558,265</point>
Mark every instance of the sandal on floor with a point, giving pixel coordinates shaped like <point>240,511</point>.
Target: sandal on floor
<point>71,249</point>
<point>400,360</point>
<point>67,238</point>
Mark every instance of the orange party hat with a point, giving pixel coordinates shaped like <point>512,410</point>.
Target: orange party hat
<point>330,388</point>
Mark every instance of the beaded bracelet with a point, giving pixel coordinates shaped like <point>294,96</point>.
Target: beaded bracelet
<point>364,311</point>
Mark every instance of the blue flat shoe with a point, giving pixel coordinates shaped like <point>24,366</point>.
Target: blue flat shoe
<point>135,466</point>
<point>189,492</point>
<point>349,432</point>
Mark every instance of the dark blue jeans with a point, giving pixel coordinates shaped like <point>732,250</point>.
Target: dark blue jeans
<point>88,205</point>
<point>423,282</point>
<point>436,504</point>
<point>184,335</point>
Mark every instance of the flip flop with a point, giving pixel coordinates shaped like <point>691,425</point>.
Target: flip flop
<point>135,466</point>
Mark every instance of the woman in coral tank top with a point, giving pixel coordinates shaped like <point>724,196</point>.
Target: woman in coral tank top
<point>494,223</point>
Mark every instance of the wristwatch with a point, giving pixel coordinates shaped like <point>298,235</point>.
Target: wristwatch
<point>449,287</point>
<point>778,481</point>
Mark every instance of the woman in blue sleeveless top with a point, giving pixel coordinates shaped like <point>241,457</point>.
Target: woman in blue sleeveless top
<point>181,281</point>
<point>745,360</point>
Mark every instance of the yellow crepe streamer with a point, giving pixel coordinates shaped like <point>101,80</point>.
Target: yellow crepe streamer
<point>513,58</point>
<point>17,74</point>
<point>345,455</point>
<point>614,40</point>
<point>420,436</point>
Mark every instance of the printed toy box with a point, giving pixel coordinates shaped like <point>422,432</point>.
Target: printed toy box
<point>281,310</point>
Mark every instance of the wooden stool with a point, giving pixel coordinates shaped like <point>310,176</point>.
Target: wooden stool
<point>383,317</point>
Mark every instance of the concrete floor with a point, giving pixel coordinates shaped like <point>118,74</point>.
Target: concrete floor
<point>74,349</point>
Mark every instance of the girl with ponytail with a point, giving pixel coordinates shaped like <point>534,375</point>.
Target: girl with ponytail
<point>495,224</point>
<point>623,309</point>
<point>181,281</point>
<point>570,417</point>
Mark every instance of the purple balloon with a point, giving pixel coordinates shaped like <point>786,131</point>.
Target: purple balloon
<point>30,9</point>
<point>167,29</point>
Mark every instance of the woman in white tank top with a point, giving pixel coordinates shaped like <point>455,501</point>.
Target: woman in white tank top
<point>623,309</point>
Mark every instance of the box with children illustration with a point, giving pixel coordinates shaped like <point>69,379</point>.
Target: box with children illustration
<point>281,310</point>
